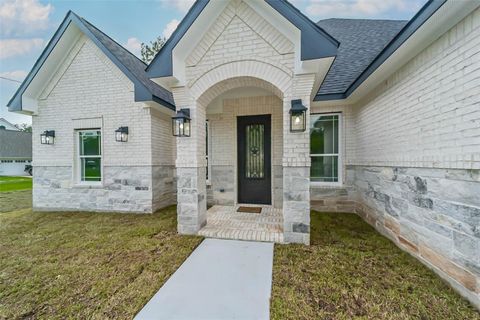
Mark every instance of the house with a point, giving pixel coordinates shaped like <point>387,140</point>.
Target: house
<point>4,124</point>
<point>15,149</point>
<point>250,102</point>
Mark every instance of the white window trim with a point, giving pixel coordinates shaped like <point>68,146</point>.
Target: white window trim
<point>209,152</point>
<point>339,183</point>
<point>78,170</point>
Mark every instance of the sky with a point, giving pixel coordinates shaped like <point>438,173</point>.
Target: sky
<point>26,26</point>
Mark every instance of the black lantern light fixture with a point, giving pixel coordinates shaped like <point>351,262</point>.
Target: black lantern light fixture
<point>298,114</point>
<point>121,134</point>
<point>47,137</point>
<point>181,123</point>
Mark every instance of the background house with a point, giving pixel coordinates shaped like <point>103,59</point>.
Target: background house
<point>15,149</point>
<point>4,124</point>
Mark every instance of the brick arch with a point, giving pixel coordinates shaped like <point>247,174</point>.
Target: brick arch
<point>238,82</point>
<point>277,79</point>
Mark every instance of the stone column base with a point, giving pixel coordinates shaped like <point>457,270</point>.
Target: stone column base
<point>296,204</point>
<point>191,200</point>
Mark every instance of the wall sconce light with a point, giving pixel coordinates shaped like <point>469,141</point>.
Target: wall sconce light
<point>181,123</point>
<point>121,134</point>
<point>47,137</point>
<point>297,116</point>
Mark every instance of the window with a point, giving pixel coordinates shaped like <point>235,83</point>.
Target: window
<point>324,148</point>
<point>90,155</point>
<point>207,149</point>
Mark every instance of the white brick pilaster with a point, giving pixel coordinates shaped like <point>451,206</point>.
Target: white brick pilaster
<point>296,166</point>
<point>191,167</point>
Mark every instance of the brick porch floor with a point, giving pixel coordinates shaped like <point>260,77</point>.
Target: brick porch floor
<point>225,222</point>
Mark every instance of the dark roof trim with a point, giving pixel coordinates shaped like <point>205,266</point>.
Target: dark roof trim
<point>141,92</point>
<point>315,42</point>
<point>162,64</point>
<point>410,28</point>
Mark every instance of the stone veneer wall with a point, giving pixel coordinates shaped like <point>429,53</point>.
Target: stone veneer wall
<point>124,189</point>
<point>433,214</point>
<point>164,189</point>
<point>413,167</point>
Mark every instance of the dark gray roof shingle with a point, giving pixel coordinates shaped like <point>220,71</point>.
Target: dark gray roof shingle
<point>131,62</point>
<point>361,40</point>
<point>15,144</point>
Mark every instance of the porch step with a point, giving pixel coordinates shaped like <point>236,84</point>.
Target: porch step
<point>225,222</point>
<point>237,234</point>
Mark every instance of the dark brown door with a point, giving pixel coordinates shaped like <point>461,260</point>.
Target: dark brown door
<point>254,159</point>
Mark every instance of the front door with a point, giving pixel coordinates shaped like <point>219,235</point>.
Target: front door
<point>254,159</point>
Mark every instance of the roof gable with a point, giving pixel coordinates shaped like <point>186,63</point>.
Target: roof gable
<point>315,42</point>
<point>131,66</point>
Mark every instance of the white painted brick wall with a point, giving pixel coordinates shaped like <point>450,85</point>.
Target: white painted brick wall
<point>239,44</point>
<point>239,34</point>
<point>163,142</point>
<point>89,85</point>
<point>427,114</point>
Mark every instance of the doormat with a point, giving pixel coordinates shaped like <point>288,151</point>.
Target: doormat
<point>250,209</point>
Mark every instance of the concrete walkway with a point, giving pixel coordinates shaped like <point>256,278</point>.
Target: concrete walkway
<point>222,279</point>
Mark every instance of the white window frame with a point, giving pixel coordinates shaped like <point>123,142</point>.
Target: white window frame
<point>208,155</point>
<point>338,183</point>
<point>78,158</point>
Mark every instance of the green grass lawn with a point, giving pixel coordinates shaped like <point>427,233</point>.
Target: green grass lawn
<point>8,184</point>
<point>352,272</point>
<point>107,266</point>
<point>85,265</point>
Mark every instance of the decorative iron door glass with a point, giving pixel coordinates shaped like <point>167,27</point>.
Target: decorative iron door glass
<point>255,162</point>
<point>324,135</point>
<point>254,140</point>
<point>90,150</point>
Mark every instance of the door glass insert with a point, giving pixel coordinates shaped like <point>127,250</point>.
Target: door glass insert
<point>255,164</point>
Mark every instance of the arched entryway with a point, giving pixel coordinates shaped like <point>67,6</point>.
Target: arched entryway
<point>244,148</point>
<point>246,105</point>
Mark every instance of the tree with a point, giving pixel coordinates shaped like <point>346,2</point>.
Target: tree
<point>150,50</point>
<point>24,127</point>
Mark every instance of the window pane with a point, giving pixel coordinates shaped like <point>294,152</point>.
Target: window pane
<point>206,144</point>
<point>323,134</point>
<point>91,169</point>
<point>324,168</point>
<point>254,161</point>
<point>90,143</point>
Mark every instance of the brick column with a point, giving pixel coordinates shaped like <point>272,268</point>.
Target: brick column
<point>296,166</point>
<point>191,167</point>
